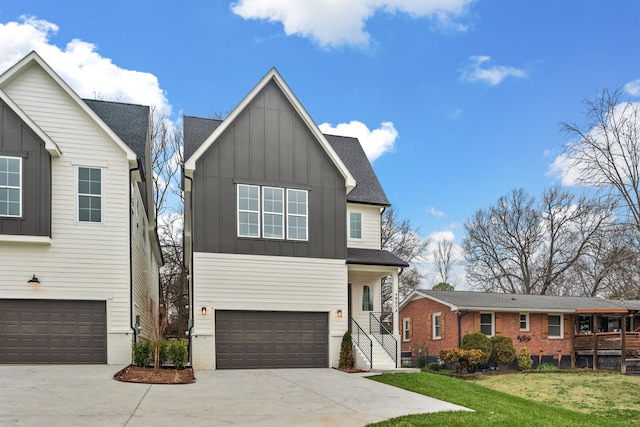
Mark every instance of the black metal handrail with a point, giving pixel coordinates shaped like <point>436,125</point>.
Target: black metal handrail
<point>383,336</point>
<point>362,340</point>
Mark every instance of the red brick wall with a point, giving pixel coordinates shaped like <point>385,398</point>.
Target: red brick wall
<point>420,314</point>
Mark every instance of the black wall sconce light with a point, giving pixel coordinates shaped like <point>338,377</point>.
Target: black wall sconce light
<point>339,313</point>
<point>34,279</point>
<point>204,311</point>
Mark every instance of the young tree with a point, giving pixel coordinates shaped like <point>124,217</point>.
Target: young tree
<point>443,259</point>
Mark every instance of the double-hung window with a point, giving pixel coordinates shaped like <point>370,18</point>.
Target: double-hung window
<point>248,211</point>
<point>524,321</point>
<point>10,186</point>
<point>273,213</point>
<point>355,225</point>
<point>437,326</point>
<point>406,329</point>
<point>297,214</point>
<point>89,194</point>
<point>486,324</point>
<point>554,325</point>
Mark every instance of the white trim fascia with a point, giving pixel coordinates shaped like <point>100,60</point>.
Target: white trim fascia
<point>49,144</point>
<point>272,75</point>
<point>32,58</point>
<point>14,238</point>
<point>34,292</point>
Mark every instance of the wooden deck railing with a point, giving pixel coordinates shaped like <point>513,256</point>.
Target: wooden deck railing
<point>607,343</point>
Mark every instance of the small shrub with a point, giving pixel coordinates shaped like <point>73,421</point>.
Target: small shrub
<point>177,352</point>
<point>502,350</point>
<point>421,361</point>
<point>524,358</point>
<point>478,341</point>
<point>547,367</point>
<point>433,366</point>
<point>142,354</point>
<point>346,352</point>
<point>463,359</point>
<point>163,357</point>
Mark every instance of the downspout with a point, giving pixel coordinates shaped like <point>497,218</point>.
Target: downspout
<point>460,315</point>
<point>131,324</point>
<point>190,271</point>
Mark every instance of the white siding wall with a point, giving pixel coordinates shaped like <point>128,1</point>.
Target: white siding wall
<point>370,226</point>
<point>244,282</point>
<point>85,260</point>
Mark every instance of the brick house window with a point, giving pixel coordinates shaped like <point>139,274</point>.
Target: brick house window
<point>524,321</point>
<point>437,326</point>
<point>486,324</point>
<point>406,329</point>
<point>555,326</point>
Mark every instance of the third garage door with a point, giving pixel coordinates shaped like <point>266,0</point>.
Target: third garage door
<point>271,339</point>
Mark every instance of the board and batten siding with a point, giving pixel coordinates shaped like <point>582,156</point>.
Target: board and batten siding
<point>84,260</point>
<point>370,226</point>
<point>266,283</point>
<point>268,145</point>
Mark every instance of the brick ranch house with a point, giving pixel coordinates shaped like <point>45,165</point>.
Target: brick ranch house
<point>570,332</point>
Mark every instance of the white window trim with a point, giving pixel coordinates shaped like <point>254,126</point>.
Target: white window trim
<point>527,320</point>
<point>493,322</point>
<point>556,337</point>
<point>264,212</point>
<point>20,187</point>
<point>306,216</point>
<point>350,236</point>
<point>433,326</point>
<point>102,194</point>
<point>406,329</point>
<point>238,210</point>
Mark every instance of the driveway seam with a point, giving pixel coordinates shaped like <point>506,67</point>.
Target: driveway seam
<point>137,406</point>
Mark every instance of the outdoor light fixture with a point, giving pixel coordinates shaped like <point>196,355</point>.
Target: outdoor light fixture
<point>34,279</point>
<point>339,313</point>
<point>204,311</point>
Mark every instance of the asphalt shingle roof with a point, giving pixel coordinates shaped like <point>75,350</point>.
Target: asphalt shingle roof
<point>485,300</point>
<point>129,121</point>
<point>196,130</point>
<point>373,257</point>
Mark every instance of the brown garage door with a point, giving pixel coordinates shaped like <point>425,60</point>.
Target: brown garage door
<point>53,331</point>
<point>271,339</point>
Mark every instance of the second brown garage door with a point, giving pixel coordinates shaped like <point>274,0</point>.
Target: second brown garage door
<point>271,339</point>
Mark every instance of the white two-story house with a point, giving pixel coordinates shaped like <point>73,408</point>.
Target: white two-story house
<point>282,240</point>
<point>79,255</point>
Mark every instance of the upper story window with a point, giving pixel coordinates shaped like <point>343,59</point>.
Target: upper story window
<point>10,186</point>
<point>266,206</point>
<point>437,326</point>
<point>486,324</point>
<point>89,194</point>
<point>355,225</point>
<point>524,321</point>
<point>555,325</point>
<point>367,298</point>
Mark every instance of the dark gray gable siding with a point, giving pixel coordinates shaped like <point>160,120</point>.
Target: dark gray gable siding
<point>18,140</point>
<point>268,144</point>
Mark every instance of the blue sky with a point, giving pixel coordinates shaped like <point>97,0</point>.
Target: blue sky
<point>456,101</point>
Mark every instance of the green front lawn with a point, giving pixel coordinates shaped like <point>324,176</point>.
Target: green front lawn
<point>496,408</point>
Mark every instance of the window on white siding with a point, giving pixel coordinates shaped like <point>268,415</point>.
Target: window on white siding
<point>486,324</point>
<point>367,298</point>
<point>10,186</point>
<point>89,194</point>
<point>297,201</point>
<point>555,325</point>
<point>248,210</point>
<point>273,213</point>
<point>524,321</point>
<point>355,225</point>
<point>406,329</point>
<point>437,326</point>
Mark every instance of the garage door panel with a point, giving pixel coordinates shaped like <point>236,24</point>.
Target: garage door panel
<point>52,331</point>
<point>268,339</point>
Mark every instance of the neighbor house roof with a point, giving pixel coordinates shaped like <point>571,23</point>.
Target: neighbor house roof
<point>475,301</point>
<point>373,257</point>
<point>368,189</point>
<point>129,121</point>
<point>196,130</point>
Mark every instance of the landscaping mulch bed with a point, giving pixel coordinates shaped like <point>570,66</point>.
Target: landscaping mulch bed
<point>146,375</point>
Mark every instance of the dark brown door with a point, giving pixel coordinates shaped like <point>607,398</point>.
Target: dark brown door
<point>53,331</point>
<point>271,339</point>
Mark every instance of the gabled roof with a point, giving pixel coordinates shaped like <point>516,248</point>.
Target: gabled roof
<point>129,121</point>
<point>32,59</point>
<point>368,189</point>
<point>478,301</point>
<point>272,76</point>
<point>374,257</point>
<point>196,130</point>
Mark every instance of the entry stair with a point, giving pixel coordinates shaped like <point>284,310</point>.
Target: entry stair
<point>370,353</point>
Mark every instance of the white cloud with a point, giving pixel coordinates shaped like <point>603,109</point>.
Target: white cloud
<point>79,64</point>
<point>433,211</point>
<point>374,142</point>
<point>438,236</point>
<point>332,23</point>
<point>478,70</point>
<point>633,88</point>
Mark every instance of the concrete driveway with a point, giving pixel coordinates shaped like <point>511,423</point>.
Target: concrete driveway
<point>87,395</point>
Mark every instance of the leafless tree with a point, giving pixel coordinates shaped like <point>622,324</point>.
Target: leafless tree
<point>523,246</point>
<point>443,260</point>
<point>401,239</point>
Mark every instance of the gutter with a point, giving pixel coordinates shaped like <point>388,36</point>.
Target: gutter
<point>460,314</point>
<point>131,322</point>
<point>189,271</point>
